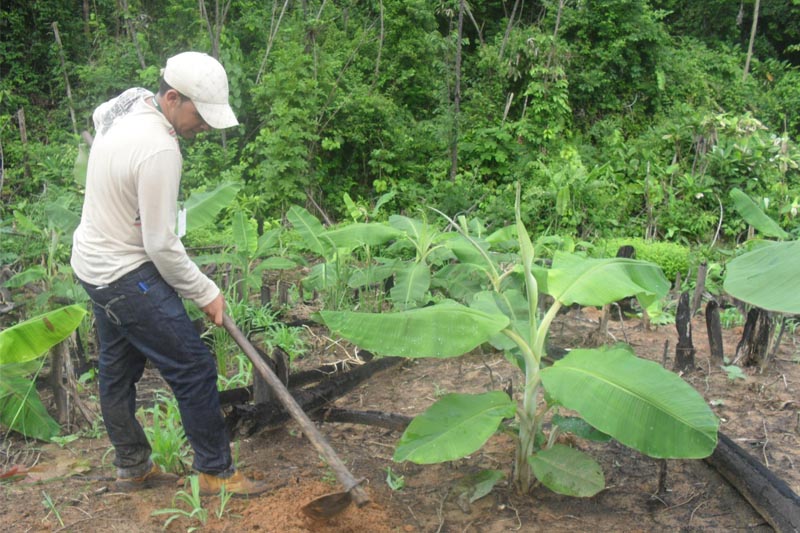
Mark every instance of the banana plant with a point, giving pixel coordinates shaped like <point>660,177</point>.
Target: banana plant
<point>765,276</point>
<point>616,394</point>
<point>21,409</point>
<point>339,270</point>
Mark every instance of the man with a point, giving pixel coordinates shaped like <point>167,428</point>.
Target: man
<point>130,260</point>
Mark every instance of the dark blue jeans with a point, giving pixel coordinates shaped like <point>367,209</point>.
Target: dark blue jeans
<point>140,317</point>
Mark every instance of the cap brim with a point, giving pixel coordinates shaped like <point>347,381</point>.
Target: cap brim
<point>218,116</point>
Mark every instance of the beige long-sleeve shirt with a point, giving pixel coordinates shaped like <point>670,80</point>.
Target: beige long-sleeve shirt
<point>130,208</point>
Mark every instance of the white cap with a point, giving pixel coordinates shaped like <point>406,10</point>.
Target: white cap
<point>202,79</point>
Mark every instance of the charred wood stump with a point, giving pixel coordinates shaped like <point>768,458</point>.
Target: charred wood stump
<point>249,419</point>
<point>279,364</point>
<point>699,287</point>
<point>684,351</point>
<point>714,329</point>
<point>296,380</point>
<point>753,348</point>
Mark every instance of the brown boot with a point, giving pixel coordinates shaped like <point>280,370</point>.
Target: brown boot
<point>237,485</point>
<point>154,478</point>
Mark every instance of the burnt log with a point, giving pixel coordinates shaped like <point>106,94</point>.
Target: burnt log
<point>250,418</point>
<point>381,419</point>
<point>770,496</point>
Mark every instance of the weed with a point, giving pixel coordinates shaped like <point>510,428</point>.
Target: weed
<point>195,511</point>
<point>224,498</point>
<point>48,503</point>
<point>166,435</point>
<point>731,317</point>
<point>734,372</point>
<point>394,480</point>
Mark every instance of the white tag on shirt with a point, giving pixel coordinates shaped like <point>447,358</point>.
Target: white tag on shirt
<point>181,222</point>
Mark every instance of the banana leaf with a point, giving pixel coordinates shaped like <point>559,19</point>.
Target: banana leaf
<point>202,207</point>
<point>360,234</point>
<point>767,277</point>
<point>753,215</point>
<point>23,411</point>
<point>453,427</point>
<point>636,401</point>
<point>567,471</point>
<point>411,285</point>
<point>574,279</point>
<point>447,329</point>
<point>310,230</point>
<point>32,338</point>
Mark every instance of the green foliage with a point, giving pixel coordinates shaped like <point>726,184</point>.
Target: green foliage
<point>673,258</point>
<point>20,406</point>
<point>457,425</point>
<point>164,430</point>
<point>192,500</point>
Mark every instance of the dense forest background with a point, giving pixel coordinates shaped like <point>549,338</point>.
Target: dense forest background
<point>619,117</point>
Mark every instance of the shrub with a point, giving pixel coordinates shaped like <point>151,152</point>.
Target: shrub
<point>671,257</point>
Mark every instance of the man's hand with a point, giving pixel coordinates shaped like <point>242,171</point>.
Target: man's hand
<point>215,309</point>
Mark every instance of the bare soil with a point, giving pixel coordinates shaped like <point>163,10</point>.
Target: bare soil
<point>760,413</point>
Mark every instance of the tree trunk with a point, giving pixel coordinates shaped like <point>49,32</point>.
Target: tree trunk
<point>752,39</point>
<point>123,6</point>
<point>457,95</point>
<point>66,78</point>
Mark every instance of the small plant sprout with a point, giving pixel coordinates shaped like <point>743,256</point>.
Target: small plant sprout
<point>48,503</point>
<point>394,480</point>
<point>224,498</point>
<point>734,372</point>
<point>195,509</point>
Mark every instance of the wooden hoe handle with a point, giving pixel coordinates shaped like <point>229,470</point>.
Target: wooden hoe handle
<point>344,476</point>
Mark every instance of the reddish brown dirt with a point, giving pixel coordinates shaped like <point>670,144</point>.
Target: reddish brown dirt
<point>761,414</point>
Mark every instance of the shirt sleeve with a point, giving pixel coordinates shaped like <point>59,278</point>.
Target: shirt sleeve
<point>157,192</point>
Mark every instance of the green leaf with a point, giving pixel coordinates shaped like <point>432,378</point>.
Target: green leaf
<point>203,207</point>
<point>361,234</point>
<point>245,237</point>
<point>767,277</point>
<point>61,218</point>
<point>81,164</point>
<point>579,427</point>
<point>274,263</point>
<point>473,487</point>
<point>453,427</point>
<point>267,241</point>
<point>23,411</point>
<point>596,282</point>
<point>448,329</point>
<point>510,303</point>
<point>29,275</point>
<point>753,215</point>
<point>637,402</point>
<point>371,274</point>
<point>310,230</point>
<point>30,339</point>
<point>567,471</point>
<point>411,285</point>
